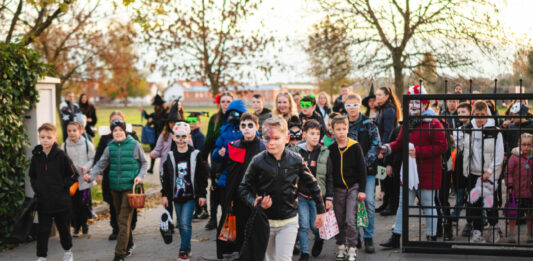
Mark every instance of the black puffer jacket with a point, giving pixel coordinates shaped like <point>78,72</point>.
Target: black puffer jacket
<point>51,177</point>
<point>267,176</point>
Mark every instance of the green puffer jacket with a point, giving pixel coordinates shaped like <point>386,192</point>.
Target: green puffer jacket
<point>123,166</point>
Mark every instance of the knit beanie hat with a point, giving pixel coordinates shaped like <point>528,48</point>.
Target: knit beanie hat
<point>118,123</point>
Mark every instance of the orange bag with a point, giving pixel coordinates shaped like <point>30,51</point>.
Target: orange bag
<point>228,232</point>
<point>73,188</point>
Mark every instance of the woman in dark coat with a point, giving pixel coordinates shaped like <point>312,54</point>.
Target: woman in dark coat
<point>156,119</point>
<point>89,111</point>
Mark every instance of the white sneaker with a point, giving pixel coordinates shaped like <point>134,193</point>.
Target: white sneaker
<point>341,252</point>
<point>477,237</point>
<point>41,259</point>
<point>352,254</point>
<point>68,256</point>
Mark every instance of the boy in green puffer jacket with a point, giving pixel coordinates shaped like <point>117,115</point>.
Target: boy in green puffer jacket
<point>125,157</point>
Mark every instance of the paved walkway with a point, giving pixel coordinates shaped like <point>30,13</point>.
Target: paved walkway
<point>150,246</point>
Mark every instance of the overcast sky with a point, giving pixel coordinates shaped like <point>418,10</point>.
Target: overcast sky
<point>293,19</point>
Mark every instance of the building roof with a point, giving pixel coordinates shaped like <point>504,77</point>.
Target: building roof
<point>197,89</point>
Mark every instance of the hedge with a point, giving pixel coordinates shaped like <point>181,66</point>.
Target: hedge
<point>20,69</point>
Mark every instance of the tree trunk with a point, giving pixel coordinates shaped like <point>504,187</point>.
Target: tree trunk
<point>398,74</point>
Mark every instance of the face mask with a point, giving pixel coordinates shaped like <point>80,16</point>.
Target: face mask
<point>234,117</point>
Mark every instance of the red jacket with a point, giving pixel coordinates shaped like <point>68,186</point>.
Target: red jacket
<point>430,145</point>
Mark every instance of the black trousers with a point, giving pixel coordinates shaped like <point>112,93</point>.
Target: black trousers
<point>215,199</point>
<point>477,213</point>
<point>442,200</point>
<point>81,208</point>
<point>45,225</point>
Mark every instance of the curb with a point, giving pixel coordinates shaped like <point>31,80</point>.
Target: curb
<point>104,207</point>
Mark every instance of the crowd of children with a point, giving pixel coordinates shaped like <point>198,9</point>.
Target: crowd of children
<point>294,163</point>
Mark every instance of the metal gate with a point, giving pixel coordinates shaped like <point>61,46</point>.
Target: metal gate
<point>418,220</point>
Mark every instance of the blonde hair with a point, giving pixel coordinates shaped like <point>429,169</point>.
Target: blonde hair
<point>353,96</point>
<point>119,113</point>
<point>525,136</point>
<point>275,122</point>
<point>292,106</point>
<point>328,99</point>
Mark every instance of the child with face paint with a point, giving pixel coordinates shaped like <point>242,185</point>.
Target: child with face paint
<point>271,180</point>
<point>308,112</point>
<point>429,146</point>
<point>184,183</point>
<point>240,154</point>
<point>295,134</point>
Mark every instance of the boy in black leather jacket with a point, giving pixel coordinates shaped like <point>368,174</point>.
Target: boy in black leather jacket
<point>273,176</point>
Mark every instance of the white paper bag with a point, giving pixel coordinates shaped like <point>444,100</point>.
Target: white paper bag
<point>330,227</point>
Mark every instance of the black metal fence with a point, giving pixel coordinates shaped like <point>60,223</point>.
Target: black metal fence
<point>479,150</point>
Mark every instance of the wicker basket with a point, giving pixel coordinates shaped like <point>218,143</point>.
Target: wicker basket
<point>137,200</point>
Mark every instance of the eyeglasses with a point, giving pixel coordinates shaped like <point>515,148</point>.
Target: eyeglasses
<point>181,137</point>
<point>192,120</point>
<point>250,125</point>
<point>306,104</point>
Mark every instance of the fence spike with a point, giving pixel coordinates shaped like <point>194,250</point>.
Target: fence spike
<point>470,85</point>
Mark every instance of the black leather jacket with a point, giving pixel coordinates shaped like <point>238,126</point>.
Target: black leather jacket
<point>267,176</point>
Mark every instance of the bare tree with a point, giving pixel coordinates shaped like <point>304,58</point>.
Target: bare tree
<point>207,40</point>
<point>72,44</point>
<point>22,21</point>
<point>395,34</point>
<point>329,54</point>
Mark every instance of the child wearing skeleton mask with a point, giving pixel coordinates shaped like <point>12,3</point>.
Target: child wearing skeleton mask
<point>184,182</point>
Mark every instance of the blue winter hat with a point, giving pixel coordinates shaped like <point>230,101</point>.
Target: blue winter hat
<point>237,105</point>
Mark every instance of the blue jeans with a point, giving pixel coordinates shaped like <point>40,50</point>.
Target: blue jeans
<point>370,191</point>
<point>459,202</point>
<point>184,216</point>
<point>426,200</point>
<point>306,221</point>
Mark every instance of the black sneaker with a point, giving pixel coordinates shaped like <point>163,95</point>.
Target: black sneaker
<point>203,214</point>
<point>113,236</point>
<point>304,257</point>
<point>317,247</point>
<point>467,229</point>
<point>118,258</point>
<point>211,224</point>
<point>129,250</point>
<point>296,249</point>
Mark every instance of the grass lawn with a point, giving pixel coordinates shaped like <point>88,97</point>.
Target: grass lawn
<point>133,116</point>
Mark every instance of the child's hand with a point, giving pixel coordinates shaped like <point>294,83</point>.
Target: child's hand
<point>99,178</point>
<point>412,153</point>
<point>83,170</point>
<point>319,221</point>
<point>164,201</point>
<point>266,203</point>
<point>202,202</point>
<point>153,155</point>
<point>389,170</point>
<point>486,176</point>
<point>510,190</point>
<point>329,204</point>
<point>383,149</point>
<point>361,196</point>
<point>222,152</point>
<point>87,178</point>
<point>137,180</point>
